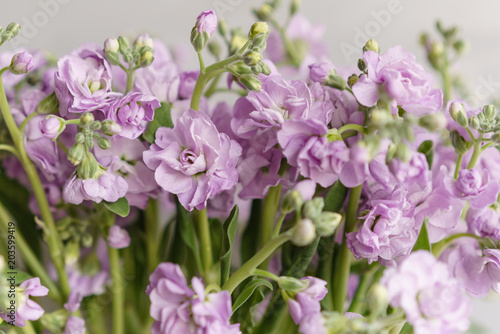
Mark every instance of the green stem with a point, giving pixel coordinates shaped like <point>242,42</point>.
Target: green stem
<point>269,210</point>
<point>53,240</point>
<point>30,258</point>
<point>202,63</point>
<point>440,246</point>
<point>459,165</point>
<point>28,329</point>
<point>447,86</point>
<point>490,144</point>
<point>8,148</point>
<point>249,267</point>
<point>130,79</point>
<point>117,289</point>
<point>356,127</point>
<point>203,230</point>
<point>343,265</point>
<point>26,120</point>
<point>360,294</point>
<point>475,153</point>
<point>151,220</point>
<point>265,273</point>
<point>277,229</point>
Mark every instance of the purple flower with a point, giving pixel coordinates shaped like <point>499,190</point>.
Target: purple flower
<point>306,302</point>
<point>403,80</point>
<point>21,63</point>
<point>132,112</point>
<point>313,324</point>
<point>118,237</point>
<point>492,263</point>
<point>471,185</point>
<point>83,81</point>
<point>306,146</point>
<point>26,309</point>
<point>484,222</point>
<point>193,160</point>
<point>318,72</point>
<point>50,127</point>
<point>355,170</point>
<point>74,325</point>
<point>107,186</point>
<point>187,83</point>
<point>431,298</point>
<point>206,22</point>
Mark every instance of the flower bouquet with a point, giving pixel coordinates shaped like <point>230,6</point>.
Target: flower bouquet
<point>311,198</point>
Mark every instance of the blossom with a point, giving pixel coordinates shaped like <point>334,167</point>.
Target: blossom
<point>432,300</point>
<point>187,83</point>
<point>318,72</point>
<point>132,112</point>
<point>75,324</point>
<point>118,237</point>
<point>206,22</point>
<point>27,309</point>
<point>50,127</point>
<point>21,63</point>
<point>403,80</point>
<point>306,302</point>
<point>471,185</point>
<point>484,222</point>
<point>193,160</point>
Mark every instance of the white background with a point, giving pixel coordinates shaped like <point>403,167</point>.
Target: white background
<point>61,25</point>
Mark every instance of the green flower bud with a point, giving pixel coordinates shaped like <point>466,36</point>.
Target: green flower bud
<point>351,81</point>
<point>460,46</point>
<point>258,28</point>
<point>335,81</point>
<point>240,68</point>
<point>76,153</point>
<point>380,117</point>
<point>292,201</point>
<point>457,111</point>
<point>124,45</point>
<point>79,138</point>
<point>199,39</point>
<point>112,57</point>
<point>459,143</point>
<point>87,240</point>
<point>95,125</point>
<point>362,65</point>
<point>292,284</point>
<point>377,299</point>
<point>11,31</point>
<point>222,27</point>
<point>110,128</point>
<point>237,43</point>
<point>49,105</point>
<point>326,223</point>
<point>71,252</point>
<point>250,82</point>
<point>264,13</point>
<point>391,153</point>
<point>111,45</point>
<point>304,233</point>
<point>251,58</point>
<point>313,208</point>
<point>371,45</point>
<point>89,168</point>
<point>146,59</point>
<point>489,111</point>
<point>86,119</point>
<point>128,57</point>
<point>403,152</point>
<point>495,138</point>
<point>104,143</point>
<point>474,122</point>
<point>432,122</point>
<point>256,69</point>
<point>295,6</point>
<point>266,70</point>
<point>260,41</point>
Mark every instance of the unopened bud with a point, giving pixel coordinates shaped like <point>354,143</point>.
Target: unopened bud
<point>371,45</point>
<point>52,126</point>
<point>460,46</point>
<point>146,59</point>
<point>199,39</point>
<point>457,112</point>
<point>87,240</point>
<point>144,41</point>
<point>304,233</point>
<point>326,223</point>
<point>291,201</point>
<point>264,12</point>
<point>362,65</point>
<point>128,57</point>
<point>313,208</point>
<point>292,284</point>
<point>266,70</point>
<point>206,22</point>
<point>104,143</point>
<point>250,82</point>
<point>79,138</point>
<point>111,45</point>
<point>432,122</point>
<point>474,122</point>
<point>95,125</point>
<point>495,138</point>
<point>403,152</point>
<point>21,63</point>
<point>351,81</point>
<point>110,128</point>
<point>258,28</point>
<point>459,143</point>
<point>76,153</point>
<point>87,118</point>
<point>49,105</point>
<point>380,117</point>
<point>251,58</point>
<point>11,31</point>
<point>71,252</point>
<point>377,298</point>
<point>124,45</point>
<point>489,111</point>
<point>295,6</point>
<point>335,81</point>
<point>256,69</point>
<point>391,153</point>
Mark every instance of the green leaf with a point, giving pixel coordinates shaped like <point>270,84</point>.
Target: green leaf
<point>227,244</point>
<point>407,329</point>
<point>427,148</point>
<point>335,197</point>
<point>423,238</point>
<point>120,207</point>
<point>162,118</point>
<point>188,234</point>
<point>216,236</point>
<point>249,290</point>
<point>250,237</point>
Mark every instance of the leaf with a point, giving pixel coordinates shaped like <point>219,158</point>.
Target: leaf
<point>162,118</point>
<point>249,290</point>
<point>120,207</point>
<point>423,238</point>
<point>216,237</point>
<point>335,197</point>
<point>407,329</point>
<point>250,237</point>
<point>302,261</point>
<point>186,228</point>
<point>427,148</point>
<point>227,244</point>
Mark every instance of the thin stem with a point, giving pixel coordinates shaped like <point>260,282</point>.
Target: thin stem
<point>249,267</point>
<point>343,264</point>
<point>356,127</point>
<point>28,329</point>
<point>488,145</point>
<point>8,148</point>
<point>277,229</point>
<point>459,165</point>
<point>203,231</point>
<point>269,210</point>
<point>26,120</point>
<point>265,273</point>
<point>476,153</point>
<point>30,258</point>
<point>130,79</point>
<point>151,221</point>
<point>447,86</point>
<point>202,63</point>
<point>73,121</point>
<point>440,246</point>
<point>360,294</point>
<point>53,239</point>
<point>117,289</point>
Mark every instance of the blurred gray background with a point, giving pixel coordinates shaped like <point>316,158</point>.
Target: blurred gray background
<point>62,25</point>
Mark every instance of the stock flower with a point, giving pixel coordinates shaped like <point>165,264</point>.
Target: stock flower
<point>402,79</point>
<point>206,22</point>
<point>118,237</point>
<point>187,83</point>
<point>27,309</point>
<point>132,112</point>
<point>21,63</point>
<point>319,71</point>
<point>470,185</point>
<point>193,160</point>
<point>432,300</point>
<point>484,222</point>
<point>75,324</point>
<point>50,127</point>
<point>306,302</point>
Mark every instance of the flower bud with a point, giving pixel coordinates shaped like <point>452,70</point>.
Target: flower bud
<point>380,117</point>
<point>251,58</point>
<point>318,72</point>
<point>377,299</point>
<point>326,223</point>
<point>313,208</point>
<point>110,128</point>
<point>206,22</point>
<point>362,65</point>
<point>71,252</point>
<point>237,43</point>
<point>199,40</point>
<point>11,31</point>
<point>258,28</point>
<point>295,6</point>
<point>460,46</point>
<point>146,59</point>
<point>111,45</point>
<point>260,42</point>
<point>335,81</point>
<point>124,45</point>
<point>49,105</point>
<point>222,27</point>
<point>266,70</point>
<point>144,41</point>
<point>292,201</point>
<point>495,138</point>
<point>432,122</point>
<point>104,143</point>
<point>21,63</point>
<point>264,12</point>
<point>304,233</point>
<point>371,45</point>
<point>474,122</point>
<point>351,81</point>
<point>292,284</point>
<point>489,111</point>
<point>457,112</point>
<point>118,237</point>
<point>250,82</point>
<point>79,138</point>
<point>459,143</point>
<point>52,126</point>
<point>403,152</point>
<point>89,168</point>
<point>87,240</point>
<point>128,57</point>
<point>76,153</point>
<point>87,118</point>
<point>240,68</point>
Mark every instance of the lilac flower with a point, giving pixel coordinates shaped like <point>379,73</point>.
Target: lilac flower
<point>27,309</point>
<point>318,72</point>
<point>355,170</point>
<point>83,81</point>
<point>306,302</point>
<point>430,297</point>
<point>10,79</point>
<point>187,83</point>
<point>75,324</point>
<point>193,160</point>
<point>313,324</point>
<point>471,185</point>
<point>484,222</point>
<point>50,127</point>
<point>107,186</point>
<point>306,146</point>
<point>206,22</point>
<point>21,63</point>
<point>118,237</point>
<point>403,80</point>
<point>132,112</point>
